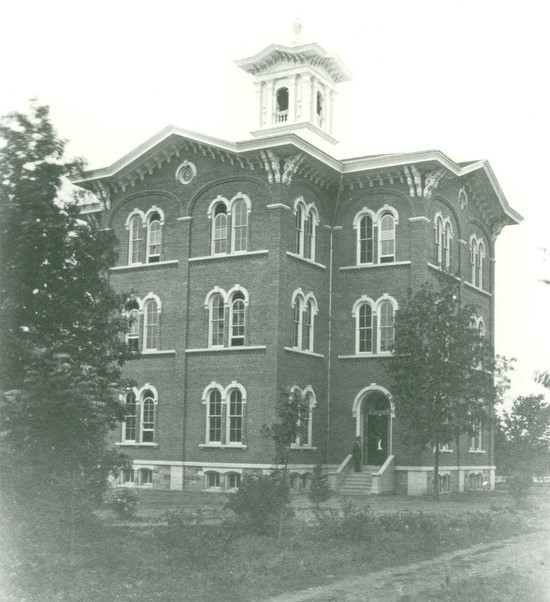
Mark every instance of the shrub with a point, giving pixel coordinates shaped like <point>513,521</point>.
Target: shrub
<point>319,490</point>
<point>519,484</point>
<point>261,502</point>
<point>124,502</point>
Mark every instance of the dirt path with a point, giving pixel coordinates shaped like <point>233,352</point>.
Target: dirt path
<point>527,554</point>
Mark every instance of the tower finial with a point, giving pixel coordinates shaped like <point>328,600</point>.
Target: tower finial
<point>297,28</point>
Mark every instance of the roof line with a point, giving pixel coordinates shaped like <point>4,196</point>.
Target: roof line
<point>344,166</point>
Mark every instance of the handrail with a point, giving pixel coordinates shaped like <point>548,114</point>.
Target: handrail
<point>343,465</point>
<point>384,467</point>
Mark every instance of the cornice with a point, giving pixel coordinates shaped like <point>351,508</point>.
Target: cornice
<point>422,171</point>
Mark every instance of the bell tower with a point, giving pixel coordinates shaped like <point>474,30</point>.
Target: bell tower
<point>295,89</point>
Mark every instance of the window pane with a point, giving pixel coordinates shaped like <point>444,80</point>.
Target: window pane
<point>386,326</point>
<point>235,417</point>
<point>308,323</point>
<point>217,321</point>
<point>151,325</point>
<point>366,240</point>
<point>387,238</point>
<point>215,417</point>
<point>220,230</point>
<point>148,420</point>
<point>240,218</point>
<point>136,240</point>
<point>296,323</point>
<point>237,321</point>
<point>365,329</point>
<point>130,417</point>
<point>155,237</point>
<point>298,237</point>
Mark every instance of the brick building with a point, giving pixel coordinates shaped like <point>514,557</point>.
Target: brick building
<point>267,266</point>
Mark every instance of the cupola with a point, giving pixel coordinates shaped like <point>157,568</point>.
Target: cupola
<point>295,88</point>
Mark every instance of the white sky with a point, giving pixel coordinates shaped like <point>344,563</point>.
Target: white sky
<point>468,77</point>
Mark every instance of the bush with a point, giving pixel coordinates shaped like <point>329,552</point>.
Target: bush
<point>319,490</point>
<point>519,485</point>
<point>124,502</point>
<point>261,502</point>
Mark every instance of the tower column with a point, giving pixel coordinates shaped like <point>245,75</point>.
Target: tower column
<point>306,97</point>
<point>270,91</point>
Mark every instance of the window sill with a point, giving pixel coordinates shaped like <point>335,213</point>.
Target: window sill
<point>445,451</point>
<point>365,355</point>
<point>226,349</point>
<point>476,288</point>
<point>477,451</point>
<point>220,446</point>
<point>304,352</point>
<point>310,261</point>
<point>229,255</point>
<point>153,352</point>
<point>302,447</point>
<point>144,266</point>
<point>368,266</point>
<point>442,271</point>
<point>133,444</point>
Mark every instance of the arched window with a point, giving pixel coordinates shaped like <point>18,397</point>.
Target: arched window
<point>237,323</point>
<point>477,257</point>
<point>297,322</point>
<point>151,325</point>
<point>386,326</point>
<point>365,338</point>
<point>375,242</point>
<point>235,422</point>
<point>304,401</point>
<point>130,417</point>
<point>233,480</point>
<point>133,315</point>
<point>299,230</point>
<point>307,335</point>
<point>154,237</point>
<point>217,320</point>
<point>476,433</point>
<point>387,238</point>
<point>447,246</point>
<point>135,246</point>
<point>281,98</point>
<point>306,220</point>
<point>212,480</point>
<point>304,309</point>
<point>148,418</point>
<point>219,230</point>
<point>145,476</point>
<point>438,240</point>
<point>366,240</point>
<point>225,414</point>
<point>214,418</point>
<point>239,217</point>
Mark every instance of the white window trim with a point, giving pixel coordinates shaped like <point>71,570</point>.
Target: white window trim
<point>355,314</point>
<point>308,390</point>
<point>134,214</point>
<point>225,393</point>
<point>377,239</point>
<point>150,212</point>
<point>146,299</point>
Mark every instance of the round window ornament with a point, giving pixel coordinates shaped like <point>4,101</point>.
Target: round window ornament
<point>462,198</point>
<point>186,172</point>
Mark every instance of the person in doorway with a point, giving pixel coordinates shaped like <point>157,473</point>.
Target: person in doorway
<point>357,455</point>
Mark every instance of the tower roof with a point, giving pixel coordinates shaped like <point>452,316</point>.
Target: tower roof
<point>305,54</point>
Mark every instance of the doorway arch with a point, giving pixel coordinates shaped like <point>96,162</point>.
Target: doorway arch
<point>374,411</point>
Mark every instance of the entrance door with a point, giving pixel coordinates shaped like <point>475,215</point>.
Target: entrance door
<point>377,439</point>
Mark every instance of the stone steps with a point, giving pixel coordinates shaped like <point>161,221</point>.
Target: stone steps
<point>358,483</point>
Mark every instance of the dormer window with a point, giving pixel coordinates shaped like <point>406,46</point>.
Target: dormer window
<point>282,105</point>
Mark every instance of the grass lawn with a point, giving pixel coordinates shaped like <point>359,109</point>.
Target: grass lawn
<point>215,561</point>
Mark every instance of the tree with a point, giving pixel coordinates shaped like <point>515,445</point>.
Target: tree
<point>61,325</point>
<point>442,370</point>
<point>524,444</point>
